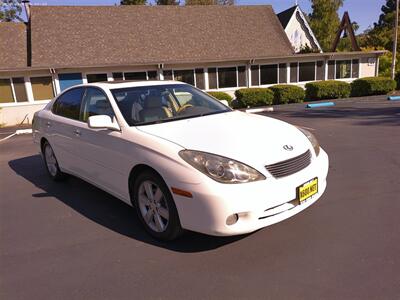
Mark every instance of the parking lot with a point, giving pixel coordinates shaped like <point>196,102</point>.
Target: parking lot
<point>73,241</point>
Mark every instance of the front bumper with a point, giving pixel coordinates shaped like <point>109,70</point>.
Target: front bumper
<point>258,204</point>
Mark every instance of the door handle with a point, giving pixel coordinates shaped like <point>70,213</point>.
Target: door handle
<point>77,132</point>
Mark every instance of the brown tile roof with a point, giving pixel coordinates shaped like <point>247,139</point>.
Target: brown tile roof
<point>109,35</point>
<point>13,52</point>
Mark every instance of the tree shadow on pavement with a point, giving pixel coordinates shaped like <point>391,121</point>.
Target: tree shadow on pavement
<point>105,209</point>
<point>389,116</point>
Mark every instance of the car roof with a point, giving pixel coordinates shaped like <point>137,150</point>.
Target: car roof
<point>134,83</point>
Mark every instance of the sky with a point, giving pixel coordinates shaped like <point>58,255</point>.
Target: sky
<point>364,12</point>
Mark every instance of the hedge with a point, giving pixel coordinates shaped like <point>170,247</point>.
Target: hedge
<point>397,78</point>
<point>329,89</point>
<point>221,96</point>
<point>372,86</point>
<point>251,97</point>
<point>287,93</point>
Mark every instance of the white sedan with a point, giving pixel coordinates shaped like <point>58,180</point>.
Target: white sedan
<point>183,159</point>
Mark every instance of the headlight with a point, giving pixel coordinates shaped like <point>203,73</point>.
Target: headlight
<point>220,168</point>
<point>312,139</point>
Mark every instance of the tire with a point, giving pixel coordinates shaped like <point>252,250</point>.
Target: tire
<point>51,163</point>
<point>156,211</point>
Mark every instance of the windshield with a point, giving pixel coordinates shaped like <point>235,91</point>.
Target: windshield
<point>164,103</point>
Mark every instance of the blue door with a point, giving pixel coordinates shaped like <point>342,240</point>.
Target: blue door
<point>69,79</point>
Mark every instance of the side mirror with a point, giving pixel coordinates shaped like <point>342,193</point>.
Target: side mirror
<point>103,122</point>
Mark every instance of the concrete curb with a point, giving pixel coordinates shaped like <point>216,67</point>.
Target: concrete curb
<point>258,110</point>
<point>17,132</point>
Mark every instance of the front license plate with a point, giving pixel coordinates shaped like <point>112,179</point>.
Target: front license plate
<point>307,190</point>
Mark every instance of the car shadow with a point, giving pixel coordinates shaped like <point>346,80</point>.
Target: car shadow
<point>105,209</point>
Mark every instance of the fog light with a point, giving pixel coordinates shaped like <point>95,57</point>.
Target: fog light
<point>232,219</point>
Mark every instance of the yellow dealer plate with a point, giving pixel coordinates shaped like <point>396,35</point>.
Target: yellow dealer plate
<point>307,190</point>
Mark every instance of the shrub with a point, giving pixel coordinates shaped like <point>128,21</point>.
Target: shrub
<point>397,78</point>
<point>251,97</point>
<point>372,86</point>
<point>287,93</point>
<point>329,89</point>
<point>221,96</point>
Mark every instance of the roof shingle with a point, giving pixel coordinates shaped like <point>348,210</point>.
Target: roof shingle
<point>13,45</point>
<point>108,35</point>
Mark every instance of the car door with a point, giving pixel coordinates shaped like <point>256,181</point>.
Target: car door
<point>100,149</point>
<point>61,129</point>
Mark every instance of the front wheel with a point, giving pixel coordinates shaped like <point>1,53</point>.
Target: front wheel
<point>51,163</point>
<point>155,207</point>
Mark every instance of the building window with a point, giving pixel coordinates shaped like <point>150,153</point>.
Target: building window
<point>6,94</point>
<point>293,72</point>
<point>320,70</point>
<point>42,88</point>
<point>118,75</point>
<point>167,74</point>
<point>212,78</point>
<point>355,68</point>
<point>255,75</point>
<point>282,73</point>
<point>96,77</point>
<point>184,76</point>
<point>242,76</point>
<point>135,76</point>
<point>200,79</point>
<point>343,69</point>
<point>268,74</point>
<point>19,89</point>
<point>307,71</point>
<point>69,79</point>
<point>331,69</point>
<point>152,75</point>
<point>227,77</point>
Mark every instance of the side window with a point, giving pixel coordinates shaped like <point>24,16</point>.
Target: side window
<point>69,104</point>
<point>95,103</point>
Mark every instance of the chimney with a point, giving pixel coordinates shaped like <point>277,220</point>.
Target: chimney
<point>27,6</point>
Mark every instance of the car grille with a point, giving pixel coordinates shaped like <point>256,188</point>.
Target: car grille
<point>290,166</point>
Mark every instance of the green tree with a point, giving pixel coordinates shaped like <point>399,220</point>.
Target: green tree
<point>381,35</point>
<point>324,21</point>
<point>133,2</point>
<point>10,10</point>
<point>167,2</point>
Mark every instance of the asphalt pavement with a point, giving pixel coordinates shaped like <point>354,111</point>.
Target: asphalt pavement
<point>71,240</point>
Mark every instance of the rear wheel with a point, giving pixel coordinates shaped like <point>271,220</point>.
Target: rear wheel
<point>155,207</point>
<point>51,163</point>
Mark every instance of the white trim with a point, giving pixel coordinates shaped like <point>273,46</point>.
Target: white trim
<point>287,73</point>
<point>28,89</point>
<point>248,75</point>
<point>309,28</point>
<point>13,90</point>
<point>57,84</point>
<point>206,83</point>
<point>160,74</point>
<point>16,104</point>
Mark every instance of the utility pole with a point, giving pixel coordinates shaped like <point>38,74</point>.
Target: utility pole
<point>396,26</point>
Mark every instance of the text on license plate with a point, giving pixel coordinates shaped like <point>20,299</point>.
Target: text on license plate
<point>308,189</point>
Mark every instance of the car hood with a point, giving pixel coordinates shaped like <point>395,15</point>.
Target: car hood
<point>252,139</point>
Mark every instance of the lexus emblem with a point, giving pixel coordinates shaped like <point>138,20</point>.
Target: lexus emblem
<point>288,147</point>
